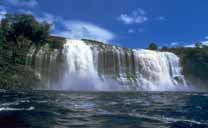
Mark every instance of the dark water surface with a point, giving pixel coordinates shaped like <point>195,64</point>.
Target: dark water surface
<point>49,109</point>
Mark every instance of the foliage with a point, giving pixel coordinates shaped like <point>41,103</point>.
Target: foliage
<point>16,25</point>
<point>152,46</point>
<point>198,44</point>
<point>194,62</point>
<point>55,42</point>
<point>18,32</point>
<point>1,39</point>
<point>164,48</point>
<point>17,77</point>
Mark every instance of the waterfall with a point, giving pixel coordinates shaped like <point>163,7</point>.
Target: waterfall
<point>80,72</point>
<point>158,70</point>
<point>91,66</point>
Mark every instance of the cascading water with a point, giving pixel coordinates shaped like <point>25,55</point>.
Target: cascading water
<point>90,66</point>
<point>80,72</point>
<point>158,70</point>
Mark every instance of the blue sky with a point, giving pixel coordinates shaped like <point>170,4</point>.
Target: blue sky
<point>128,23</point>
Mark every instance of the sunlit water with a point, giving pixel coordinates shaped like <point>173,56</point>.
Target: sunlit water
<point>49,109</point>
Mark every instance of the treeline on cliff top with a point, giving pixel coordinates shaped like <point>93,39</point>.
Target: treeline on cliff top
<point>18,32</point>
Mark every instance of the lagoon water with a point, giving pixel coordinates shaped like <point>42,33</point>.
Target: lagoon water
<point>56,109</point>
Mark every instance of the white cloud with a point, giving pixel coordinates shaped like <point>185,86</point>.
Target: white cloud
<point>49,18</point>
<point>80,30</point>
<point>131,31</point>
<point>204,42</point>
<point>139,11</point>
<point>193,45</point>
<point>75,29</point>
<point>136,17</point>
<point>71,29</point>
<point>174,43</point>
<point>23,3</point>
<point>126,19</point>
<point>190,46</point>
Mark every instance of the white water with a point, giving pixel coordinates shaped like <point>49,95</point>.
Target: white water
<point>92,67</point>
<point>81,72</point>
<point>156,70</point>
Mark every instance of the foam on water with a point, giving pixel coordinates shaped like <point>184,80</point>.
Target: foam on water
<point>16,109</point>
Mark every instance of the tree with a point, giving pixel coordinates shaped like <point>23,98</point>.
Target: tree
<point>20,31</point>
<point>152,46</point>
<point>198,44</point>
<point>164,48</point>
<point>1,39</point>
<point>15,25</point>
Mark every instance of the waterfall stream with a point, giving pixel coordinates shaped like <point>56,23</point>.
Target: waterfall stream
<point>87,66</point>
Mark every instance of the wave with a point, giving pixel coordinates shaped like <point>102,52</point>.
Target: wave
<point>16,109</point>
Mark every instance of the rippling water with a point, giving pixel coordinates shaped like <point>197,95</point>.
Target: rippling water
<point>49,109</point>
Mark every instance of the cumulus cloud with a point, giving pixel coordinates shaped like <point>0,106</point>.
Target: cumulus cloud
<point>80,30</point>
<point>135,17</point>
<point>23,3</point>
<point>76,29</point>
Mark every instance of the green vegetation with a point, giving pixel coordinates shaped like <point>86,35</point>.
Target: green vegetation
<point>194,62</point>
<point>198,45</point>
<point>152,46</point>
<point>55,42</point>
<point>18,33</point>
